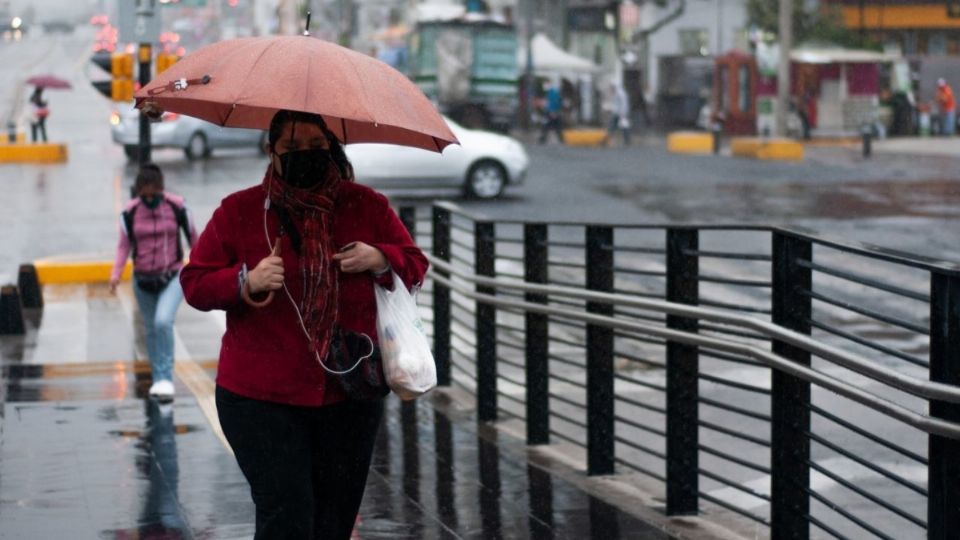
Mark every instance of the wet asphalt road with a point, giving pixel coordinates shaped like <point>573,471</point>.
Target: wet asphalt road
<point>70,210</point>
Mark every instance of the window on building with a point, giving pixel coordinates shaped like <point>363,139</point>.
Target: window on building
<point>694,41</point>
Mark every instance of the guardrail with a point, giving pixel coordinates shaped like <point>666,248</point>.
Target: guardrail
<point>726,364</point>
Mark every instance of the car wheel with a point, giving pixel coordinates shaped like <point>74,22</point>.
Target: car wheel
<point>486,179</point>
<point>132,151</point>
<point>197,146</point>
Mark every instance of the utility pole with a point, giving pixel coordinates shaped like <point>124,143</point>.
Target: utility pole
<point>288,17</point>
<point>783,70</point>
<point>527,109</point>
<point>144,56</point>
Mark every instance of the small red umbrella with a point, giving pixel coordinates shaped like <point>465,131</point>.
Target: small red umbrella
<point>244,82</point>
<point>49,81</point>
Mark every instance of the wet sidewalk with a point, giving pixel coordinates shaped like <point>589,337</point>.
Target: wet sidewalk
<point>84,453</point>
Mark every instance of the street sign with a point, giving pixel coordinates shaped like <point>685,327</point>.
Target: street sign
<point>135,25</point>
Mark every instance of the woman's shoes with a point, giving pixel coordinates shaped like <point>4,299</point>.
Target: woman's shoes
<point>162,391</point>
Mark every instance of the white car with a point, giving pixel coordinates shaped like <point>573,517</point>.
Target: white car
<point>481,166</point>
<point>197,138</point>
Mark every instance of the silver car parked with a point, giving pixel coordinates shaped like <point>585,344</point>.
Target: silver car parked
<point>197,138</point>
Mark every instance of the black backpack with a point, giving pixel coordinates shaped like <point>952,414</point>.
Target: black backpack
<point>182,225</point>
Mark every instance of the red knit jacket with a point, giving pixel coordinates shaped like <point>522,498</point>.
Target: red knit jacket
<point>264,353</point>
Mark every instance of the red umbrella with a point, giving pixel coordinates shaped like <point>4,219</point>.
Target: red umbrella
<point>49,81</point>
<point>243,82</point>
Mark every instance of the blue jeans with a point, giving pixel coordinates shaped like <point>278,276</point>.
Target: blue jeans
<point>158,311</point>
<point>949,123</point>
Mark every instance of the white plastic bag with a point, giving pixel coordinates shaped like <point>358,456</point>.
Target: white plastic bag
<point>408,364</point>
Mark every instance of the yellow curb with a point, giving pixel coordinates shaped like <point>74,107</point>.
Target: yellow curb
<point>690,142</point>
<point>20,139</point>
<point>766,149</point>
<point>49,272</point>
<point>584,137</point>
<point>33,153</point>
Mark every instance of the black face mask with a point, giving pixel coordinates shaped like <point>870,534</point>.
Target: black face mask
<point>152,201</point>
<point>306,169</point>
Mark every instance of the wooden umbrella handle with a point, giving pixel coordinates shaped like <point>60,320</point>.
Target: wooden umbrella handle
<point>245,292</point>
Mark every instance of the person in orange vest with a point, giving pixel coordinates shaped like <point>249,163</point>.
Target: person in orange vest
<point>948,107</point>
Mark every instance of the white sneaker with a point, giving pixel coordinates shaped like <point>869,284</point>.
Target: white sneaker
<point>162,390</point>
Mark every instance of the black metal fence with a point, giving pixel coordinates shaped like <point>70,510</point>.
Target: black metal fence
<point>709,427</point>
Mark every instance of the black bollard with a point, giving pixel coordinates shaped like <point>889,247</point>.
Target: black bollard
<point>11,312</point>
<point>11,132</point>
<point>716,128</point>
<point>867,133</point>
<point>29,283</point>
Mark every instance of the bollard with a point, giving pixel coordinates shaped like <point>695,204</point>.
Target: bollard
<point>11,132</point>
<point>867,133</point>
<point>716,129</point>
<point>11,312</point>
<point>30,293</point>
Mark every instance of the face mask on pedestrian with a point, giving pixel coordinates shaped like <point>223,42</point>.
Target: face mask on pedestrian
<point>305,169</point>
<point>151,201</point>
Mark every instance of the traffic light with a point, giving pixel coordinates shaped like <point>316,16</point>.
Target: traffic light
<point>165,60</point>
<point>120,68</point>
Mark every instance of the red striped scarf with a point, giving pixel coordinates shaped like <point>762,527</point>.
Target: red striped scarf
<point>311,211</point>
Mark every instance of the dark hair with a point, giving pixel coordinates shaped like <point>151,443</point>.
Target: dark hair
<point>336,149</point>
<point>149,175</point>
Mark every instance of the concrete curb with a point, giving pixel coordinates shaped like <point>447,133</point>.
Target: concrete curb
<point>49,272</point>
<point>766,149</point>
<point>690,142</point>
<point>584,137</point>
<point>33,153</point>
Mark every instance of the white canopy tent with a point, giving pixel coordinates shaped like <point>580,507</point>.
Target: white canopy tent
<point>549,60</point>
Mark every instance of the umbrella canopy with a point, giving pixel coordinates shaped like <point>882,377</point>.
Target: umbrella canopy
<point>244,82</point>
<point>49,81</point>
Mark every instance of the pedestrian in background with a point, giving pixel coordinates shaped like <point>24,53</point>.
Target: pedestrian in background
<point>150,227</point>
<point>948,108</point>
<point>553,112</point>
<point>38,119</point>
<point>309,235</point>
<point>619,113</point>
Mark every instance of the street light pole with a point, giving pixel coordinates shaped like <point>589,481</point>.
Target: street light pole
<point>144,56</point>
<point>783,69</point>
<point>527,108</point>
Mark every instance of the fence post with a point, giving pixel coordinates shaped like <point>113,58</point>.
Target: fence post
<point>11,312</point>
<point>600,425</point>
<point>484,260</point>
<point>441,297</point>
<point>943,503</point>
<point>537,338</point>
<point>790,423</point>
<point>683,475</point>
<point>408,409</point>
<point>29,283</point>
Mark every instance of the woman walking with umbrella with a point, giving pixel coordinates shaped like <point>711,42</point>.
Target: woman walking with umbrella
<point>39,107</point>
<point>293,261</point>
<point>38,117</point>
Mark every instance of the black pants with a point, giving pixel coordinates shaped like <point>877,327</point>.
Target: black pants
<point>39,127</point>
<point>307,466</point>
<point>553,122</point>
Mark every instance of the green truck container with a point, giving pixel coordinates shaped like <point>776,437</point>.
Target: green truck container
<point>469,69</point>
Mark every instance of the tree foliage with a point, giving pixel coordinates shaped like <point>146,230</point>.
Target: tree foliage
<point>823,25</point>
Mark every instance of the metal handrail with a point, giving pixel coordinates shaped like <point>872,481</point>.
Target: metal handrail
<point>862,249</point>
<point>911,385</point>
<point>920,421</point>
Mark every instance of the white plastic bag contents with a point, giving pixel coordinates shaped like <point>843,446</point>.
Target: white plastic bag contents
<point>408,364</point>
